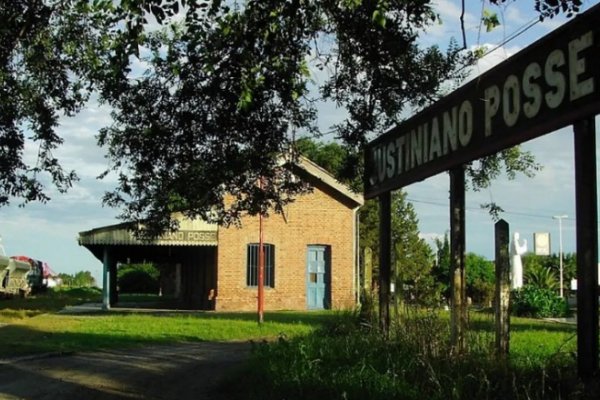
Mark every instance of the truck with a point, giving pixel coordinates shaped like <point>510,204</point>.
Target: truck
<point>14,277</point>
<point>22,275</point>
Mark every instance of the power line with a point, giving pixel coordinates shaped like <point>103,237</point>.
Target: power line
<point>473,208</point>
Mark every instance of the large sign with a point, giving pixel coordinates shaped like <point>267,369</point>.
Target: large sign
<point>546,86</point>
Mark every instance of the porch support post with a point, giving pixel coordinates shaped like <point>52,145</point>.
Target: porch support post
<point>106,279</point>
<point>114,293</point>
<point>587,248</point>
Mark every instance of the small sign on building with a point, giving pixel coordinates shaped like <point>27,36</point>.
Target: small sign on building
<point>541,243</point>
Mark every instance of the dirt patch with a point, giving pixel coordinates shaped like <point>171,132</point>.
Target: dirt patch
<point>178,371</point>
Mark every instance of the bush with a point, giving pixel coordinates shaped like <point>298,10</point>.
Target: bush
<point>138,278</point>
<point>532,301</point>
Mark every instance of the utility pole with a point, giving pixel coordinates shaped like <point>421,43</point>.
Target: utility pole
<point>560,250</point>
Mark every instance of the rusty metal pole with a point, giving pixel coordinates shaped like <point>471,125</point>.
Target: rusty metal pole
<point>261,265</point>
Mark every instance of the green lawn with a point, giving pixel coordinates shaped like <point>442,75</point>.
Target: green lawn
<point>416,363</point>
<point>319,354</point>
<point>33,325</point>
<point>16,308</point>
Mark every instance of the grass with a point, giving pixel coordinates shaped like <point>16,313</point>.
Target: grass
<point>299,355</point>
<point>346,362</point>
<point>53,300</point>
<point>34,327</point>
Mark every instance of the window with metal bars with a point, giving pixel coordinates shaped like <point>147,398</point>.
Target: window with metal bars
<point>252,265</point>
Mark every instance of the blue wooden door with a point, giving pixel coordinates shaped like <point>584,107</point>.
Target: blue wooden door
<point>317,278</point>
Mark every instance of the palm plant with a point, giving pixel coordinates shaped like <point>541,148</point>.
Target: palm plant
<point>539,276</point>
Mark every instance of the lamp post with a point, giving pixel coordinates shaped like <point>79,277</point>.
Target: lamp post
<point>560,249</point>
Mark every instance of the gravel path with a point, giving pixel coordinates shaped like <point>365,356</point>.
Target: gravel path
<point>178,371</point>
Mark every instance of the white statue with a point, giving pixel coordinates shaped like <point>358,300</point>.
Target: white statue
<point>516,266</point>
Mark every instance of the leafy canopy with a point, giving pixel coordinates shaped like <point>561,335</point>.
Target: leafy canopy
<point>228,86</point>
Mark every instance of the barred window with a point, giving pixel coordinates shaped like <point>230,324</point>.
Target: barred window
<point>252,265</point>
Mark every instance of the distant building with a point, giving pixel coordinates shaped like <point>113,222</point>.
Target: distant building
<point>310,252</point>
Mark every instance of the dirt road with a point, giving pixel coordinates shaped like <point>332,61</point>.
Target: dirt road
<point>177,371</point>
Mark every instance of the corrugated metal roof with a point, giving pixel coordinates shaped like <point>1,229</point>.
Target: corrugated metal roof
<point>190,233</point>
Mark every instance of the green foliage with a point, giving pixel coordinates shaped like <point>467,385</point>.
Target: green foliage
<point>481,278</point>
<point>229,88</point>
<point>480,273</point>
<point>490,20</point>
<point>441,268</point>
<point>138,278</point>
<point>412,258</point>
<point>543,271</point>
<point>551,8</point>
<point>415,363</point>
<point>332,156</point>
<point>238,85</point>
<point>541,277</point>
<point>532,301</point>
<point>81,279</point>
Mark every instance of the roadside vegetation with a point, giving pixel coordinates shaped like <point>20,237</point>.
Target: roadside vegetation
<point>334,355</point>
<point>346,360</point>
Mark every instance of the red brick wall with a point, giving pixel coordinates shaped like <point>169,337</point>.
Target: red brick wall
<point>314,218</point>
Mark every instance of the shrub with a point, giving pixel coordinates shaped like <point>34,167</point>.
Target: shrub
<point>532,301</point>
<point>138,278</point>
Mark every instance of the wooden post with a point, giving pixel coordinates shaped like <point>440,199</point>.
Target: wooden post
<point>458,311</point>
<point>587,248</point>
<point>385,251</point>
<point>502,294</point>
<point>368,271</point>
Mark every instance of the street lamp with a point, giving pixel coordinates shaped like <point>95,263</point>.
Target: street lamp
<point>560,251</point>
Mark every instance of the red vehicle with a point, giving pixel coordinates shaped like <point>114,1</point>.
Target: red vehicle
<point>39,275</point>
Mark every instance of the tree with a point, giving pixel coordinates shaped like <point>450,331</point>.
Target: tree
<point>480,276</point>
<point>412,257</point>
<point>480,273</point>
<point>79,279</point>
<point>54,53</point>
<point>441,268</point>
<point>551,8</point>
<point>544,271</point>
<point>229,95</point>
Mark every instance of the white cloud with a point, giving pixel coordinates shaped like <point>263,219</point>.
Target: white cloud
<point>449,24</point>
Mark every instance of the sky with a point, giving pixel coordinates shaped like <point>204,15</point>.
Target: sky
<point>49,231</point>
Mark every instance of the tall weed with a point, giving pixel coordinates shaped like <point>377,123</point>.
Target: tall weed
<point>347,361</point>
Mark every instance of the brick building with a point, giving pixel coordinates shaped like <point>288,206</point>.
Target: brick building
<point>310,254</point>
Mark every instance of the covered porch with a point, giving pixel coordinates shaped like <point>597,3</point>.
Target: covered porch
<point>188,260</point>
